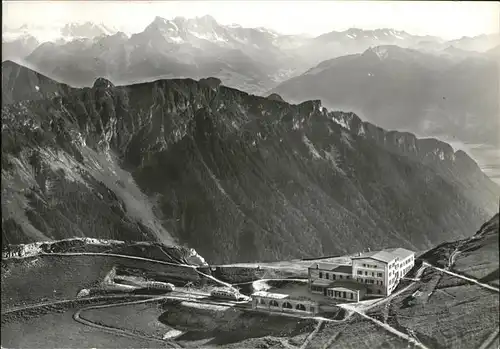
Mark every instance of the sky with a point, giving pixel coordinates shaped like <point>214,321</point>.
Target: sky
<point>446,19</point>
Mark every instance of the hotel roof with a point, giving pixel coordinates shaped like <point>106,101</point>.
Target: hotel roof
<point>382,256</point>
<point>321,282</point>
<point>352,285</point>
<point>386,255</point>
<point>336,268</point>
<point>402,253</point>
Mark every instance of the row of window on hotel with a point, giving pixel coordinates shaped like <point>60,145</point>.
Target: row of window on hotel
<point>391,266</point>
<point>370,281</point>
<point>327,276</point>
<point>360,272</point>
<point>340,294</point>
<point>332,293</point>
<point>398,265</point>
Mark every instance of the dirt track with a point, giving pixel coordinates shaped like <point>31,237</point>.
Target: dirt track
<point>464,277</point>
<point>77,317</point>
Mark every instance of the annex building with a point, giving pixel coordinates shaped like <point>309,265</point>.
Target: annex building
<point>371,273</point>
<point>278,302</point>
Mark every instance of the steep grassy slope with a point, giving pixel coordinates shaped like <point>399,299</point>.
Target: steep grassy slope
<point>235,176</point>
<point>452,312</point>
<point>476,257</point>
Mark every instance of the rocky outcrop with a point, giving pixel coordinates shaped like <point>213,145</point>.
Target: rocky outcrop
<point>275,97</point>
<point>235,176</point>
<point>211,82</point>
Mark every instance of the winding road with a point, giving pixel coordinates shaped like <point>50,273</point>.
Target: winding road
<point>77,317</point>
<point>492,288</point>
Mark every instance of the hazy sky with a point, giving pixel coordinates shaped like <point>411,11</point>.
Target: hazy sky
<point>446,19</point>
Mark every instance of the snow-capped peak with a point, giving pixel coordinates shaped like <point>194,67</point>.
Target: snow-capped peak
<point>381,51</point>
<point>86,30</point>
<point>163,25</point>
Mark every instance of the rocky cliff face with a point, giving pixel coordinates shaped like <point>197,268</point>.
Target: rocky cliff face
<point>456,166</point>
<point>235,176</point>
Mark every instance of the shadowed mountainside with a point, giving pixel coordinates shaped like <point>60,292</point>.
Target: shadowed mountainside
<point>20,83</point>
<point>478,257</point>
<point>235,176</point>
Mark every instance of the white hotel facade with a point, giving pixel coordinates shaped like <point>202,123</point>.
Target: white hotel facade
<point>372,273</point>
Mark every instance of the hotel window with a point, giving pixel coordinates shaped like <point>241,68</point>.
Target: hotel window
<point>333,276</point>
<point>320,275</point>
<point>360,272</point>
<point>352,296</point>
<point>364,265</point>
<point>379,275</point>
<point>327,276</point>
<point>373,274</point>
<point>366,273</point>
<point>340,276</point>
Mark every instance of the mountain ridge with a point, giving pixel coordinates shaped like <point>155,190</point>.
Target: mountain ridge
<point>408,90</point>
<point>221,170</point>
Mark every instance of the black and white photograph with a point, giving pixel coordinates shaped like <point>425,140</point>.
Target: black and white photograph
<point>248,174</point>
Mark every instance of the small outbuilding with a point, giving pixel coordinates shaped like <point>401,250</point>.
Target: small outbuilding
<point>278,302</point>
<point>346,290</point>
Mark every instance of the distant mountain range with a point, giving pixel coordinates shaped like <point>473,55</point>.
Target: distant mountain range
<point>251,59</point>
<point>19,48</point>
<point>86,30</point>
<point>58,31</point>
<point>453,95</point>
<point>235,176</point>
<point>18,43</point>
